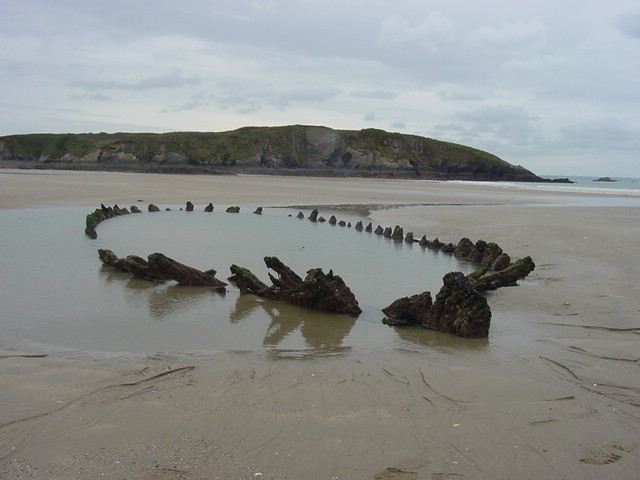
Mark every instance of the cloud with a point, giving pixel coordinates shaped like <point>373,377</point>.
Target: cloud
<point>369,117</point>
<point>428,32</point>
<point>495,114</point>
<point>170,79</point>
<point>629,23</point>
<point>518,36</point>
<point>288,97</point>
<point>251,97</point>
<point>469,94</point>
<point>92,96</point>
<point>374,94</point>
<point>607,135</point>
<point>195,102</point>
<point>499,123</point>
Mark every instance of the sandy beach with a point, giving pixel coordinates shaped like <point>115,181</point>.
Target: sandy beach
<point>554,393</point>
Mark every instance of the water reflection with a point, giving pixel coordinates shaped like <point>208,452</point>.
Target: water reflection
<point>412,337</point>
<point>162,301</point>
<point>319,330</point>
<point>172,299</point>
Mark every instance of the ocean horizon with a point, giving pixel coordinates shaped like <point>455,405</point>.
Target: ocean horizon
<point>619,185</point>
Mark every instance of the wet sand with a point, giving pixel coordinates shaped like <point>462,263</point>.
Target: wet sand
<point>553,393</point>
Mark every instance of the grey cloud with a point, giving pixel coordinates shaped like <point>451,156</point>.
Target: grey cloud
<point>196,102</point>
<point>458,130</point>
<point>604,134</point>
<point>501,122</point>
<point>469,94</point>
<point>171,79</point>
<point>287,98</point>
<point>374,94</point>
<point>245,98</point>
<point>520,35</point>
<point>92,96</point>
<point>428,32</point>
<point>239,104</point>
<point>369,117</point>
<point>629,24</point>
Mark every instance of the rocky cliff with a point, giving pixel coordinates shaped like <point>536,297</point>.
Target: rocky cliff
<point>288,149</point>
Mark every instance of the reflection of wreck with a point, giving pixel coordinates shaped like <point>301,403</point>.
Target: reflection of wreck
<point>320,331</point>
<point>161,302</point>
<point>173,298</point>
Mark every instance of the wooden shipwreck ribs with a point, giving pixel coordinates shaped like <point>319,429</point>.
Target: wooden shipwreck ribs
<point>320,291</point>
<point>459,307</point>
<point>160,268</point>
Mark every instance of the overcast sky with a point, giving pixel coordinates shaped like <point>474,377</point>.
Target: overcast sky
<point>551,85</point>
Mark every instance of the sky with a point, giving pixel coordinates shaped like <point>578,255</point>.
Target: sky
<point>553,85</point>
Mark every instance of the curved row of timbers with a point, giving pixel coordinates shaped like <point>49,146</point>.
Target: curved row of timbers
<point>459,307</point>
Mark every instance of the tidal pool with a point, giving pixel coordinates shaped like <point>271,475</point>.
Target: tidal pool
<point>56,294</point>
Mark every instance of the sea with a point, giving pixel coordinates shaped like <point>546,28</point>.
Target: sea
<point>620,185</point>
<point>623,191</point>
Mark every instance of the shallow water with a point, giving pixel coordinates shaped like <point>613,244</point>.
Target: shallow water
<point>57,295</point>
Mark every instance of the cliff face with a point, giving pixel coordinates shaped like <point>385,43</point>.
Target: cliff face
<point>268,149</point>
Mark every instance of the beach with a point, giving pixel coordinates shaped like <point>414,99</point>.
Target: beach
<point>554,392</point>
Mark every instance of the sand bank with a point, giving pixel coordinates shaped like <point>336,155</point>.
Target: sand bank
<point>553,393</point>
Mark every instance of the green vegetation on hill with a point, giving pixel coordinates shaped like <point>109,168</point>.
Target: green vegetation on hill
<point>296,149</point>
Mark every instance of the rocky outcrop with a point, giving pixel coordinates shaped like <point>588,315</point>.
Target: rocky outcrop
<point>319,291</point>
<point>160,268</point>
<point>233,209</point>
